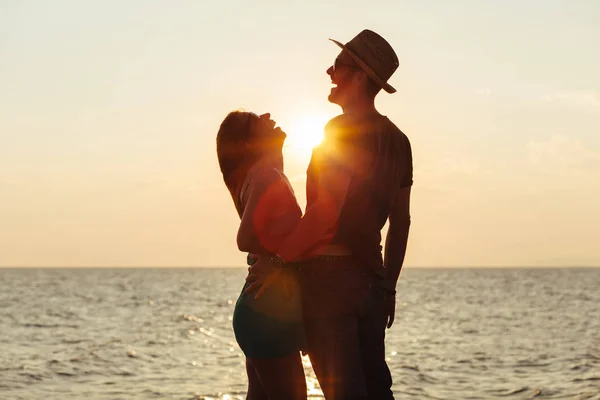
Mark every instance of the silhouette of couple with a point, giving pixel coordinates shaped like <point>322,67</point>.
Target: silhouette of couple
<point>318,282</point>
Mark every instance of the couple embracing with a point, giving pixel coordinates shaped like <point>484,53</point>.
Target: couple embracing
<point>318,281</point>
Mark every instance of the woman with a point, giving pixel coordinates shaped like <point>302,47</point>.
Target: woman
<point>268,329</point>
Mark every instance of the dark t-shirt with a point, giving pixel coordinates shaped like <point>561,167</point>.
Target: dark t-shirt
<point>378,157</point>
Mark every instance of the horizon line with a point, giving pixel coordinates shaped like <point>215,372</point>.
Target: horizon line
<point>244,267</point>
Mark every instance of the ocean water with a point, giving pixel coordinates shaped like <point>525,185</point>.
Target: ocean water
<point>166,334</point>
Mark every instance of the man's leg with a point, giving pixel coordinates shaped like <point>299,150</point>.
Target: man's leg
<point>372,326</point>
<point>333,293</point>
<point>334,353</point>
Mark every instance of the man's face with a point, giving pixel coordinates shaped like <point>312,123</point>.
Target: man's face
<point>342,74</point>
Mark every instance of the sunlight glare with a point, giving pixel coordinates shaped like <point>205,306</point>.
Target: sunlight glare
<point>306,132</point>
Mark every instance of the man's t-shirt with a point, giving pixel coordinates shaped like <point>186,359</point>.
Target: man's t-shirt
<point>378,157</point>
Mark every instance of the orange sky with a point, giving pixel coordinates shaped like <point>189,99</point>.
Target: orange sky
<point>109,111</point>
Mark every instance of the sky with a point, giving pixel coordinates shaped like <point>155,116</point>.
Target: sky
<point>109,111</point>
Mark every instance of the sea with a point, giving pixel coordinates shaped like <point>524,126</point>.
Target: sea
<point>513,333</point>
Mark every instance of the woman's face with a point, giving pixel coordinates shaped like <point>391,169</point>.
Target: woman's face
<point>264,137</point>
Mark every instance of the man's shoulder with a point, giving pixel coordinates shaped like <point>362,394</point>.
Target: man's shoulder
<point>392,128</point>
<point>346,127</point>
<point>336,126</point>
<point>397,135</point>
<point>336,121</point>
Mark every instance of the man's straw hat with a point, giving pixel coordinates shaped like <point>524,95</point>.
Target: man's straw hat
<point>374,55</point>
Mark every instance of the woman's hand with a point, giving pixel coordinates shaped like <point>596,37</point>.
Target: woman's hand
<point>262,274</point>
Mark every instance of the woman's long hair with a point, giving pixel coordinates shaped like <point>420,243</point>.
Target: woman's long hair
<point>235,158</point>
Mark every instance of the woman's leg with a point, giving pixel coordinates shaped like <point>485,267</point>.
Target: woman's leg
<point>281,378</point>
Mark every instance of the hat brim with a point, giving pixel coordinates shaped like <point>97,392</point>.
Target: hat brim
<point>384,85</point>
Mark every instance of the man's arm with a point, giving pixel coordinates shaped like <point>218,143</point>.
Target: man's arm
<point>395,249</point>
<point>397,238</point>
<point>320,217</point>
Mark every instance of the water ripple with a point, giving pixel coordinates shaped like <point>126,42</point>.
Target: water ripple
<point>166,334</point>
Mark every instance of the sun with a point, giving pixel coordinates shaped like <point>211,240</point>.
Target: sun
<point>306,132</point>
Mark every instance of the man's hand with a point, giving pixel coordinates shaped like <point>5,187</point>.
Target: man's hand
<point>262,274</point>
<point>390,307</point>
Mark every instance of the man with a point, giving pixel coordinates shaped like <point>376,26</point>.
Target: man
<point>359,177</point>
